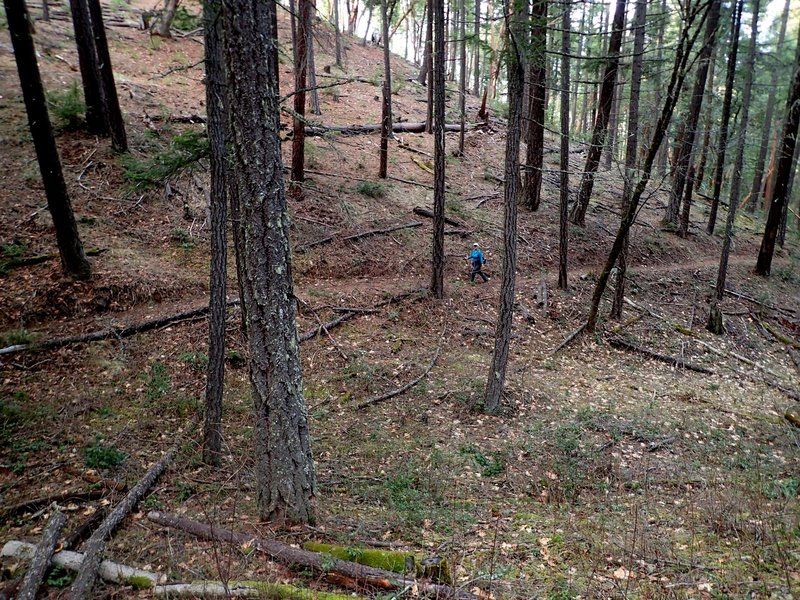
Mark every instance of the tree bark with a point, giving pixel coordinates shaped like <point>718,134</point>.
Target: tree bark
<point>687,141</point>
<point>537,73</point>
<point>73,259</point>
<point>516,83</point>
<point>111,109</point>
<point>89,67</point>
<point>755,190</point>
<point>166,18</point>
<point>722,143</point>
<point>462,80</point>
<point>95,545</point>
<point>476,65</point>
<point>578,214</point>
<point>41,558</point>
<point>338,38</point>
<point>437,271</point>
<point>661,159</point>
<point>613,125</point>
<point>782,175</point>
<point>300,73</point>
<point>285,479</point>
<point>386,106</point>
<point>709,120</point>
<point>736,178</point>
<point>563,230</point>
<point>311,75</point>
<point>352,17</point>
<point>215,103</point>
<point>631,146</point>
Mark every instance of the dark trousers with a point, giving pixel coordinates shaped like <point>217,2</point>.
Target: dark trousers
<point>476,270</point>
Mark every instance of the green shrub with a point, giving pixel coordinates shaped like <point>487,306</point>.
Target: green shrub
<point>99,456</point>
<point>371,189</point>
<point>182,151</point>
<point>184,20</point>
<point>68,107</point>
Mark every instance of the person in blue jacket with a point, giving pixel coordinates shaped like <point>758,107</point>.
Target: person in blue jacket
<point>477,260</point>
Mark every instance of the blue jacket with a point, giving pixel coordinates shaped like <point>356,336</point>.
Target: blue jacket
<point>476,257</point>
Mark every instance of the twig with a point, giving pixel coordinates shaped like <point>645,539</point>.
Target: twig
<point>673,360</point>
<point>569,338</point>
<point>410,384</point>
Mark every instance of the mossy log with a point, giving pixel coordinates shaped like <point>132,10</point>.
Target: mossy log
<point>390,560</point>
<point>244,589</point>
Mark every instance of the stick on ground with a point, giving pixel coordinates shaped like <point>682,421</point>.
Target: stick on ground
<point>41,558</point>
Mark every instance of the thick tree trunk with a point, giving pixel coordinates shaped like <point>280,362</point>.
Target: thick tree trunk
<point>73,260</point>
<point>563,228</point>
<point>111,109</point>
<point>386,106</point>
<point>690,122</point>
<point>284,467</point>
<point>578,214</point>
<point>537,73</point>
<point>782,175</point>
<point>89,66</point>
<point>437,271</point>
<point>502,336</point>
<point>736,178</point>
<point>631,146</point>
<point>215,103</point>
<point>755,190</point>
<point>300,73</point>
<point>722,142</point>
<point>682,55</point>
<point>167,17</point>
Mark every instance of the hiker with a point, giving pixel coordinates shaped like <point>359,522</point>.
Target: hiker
<point>477,260</point>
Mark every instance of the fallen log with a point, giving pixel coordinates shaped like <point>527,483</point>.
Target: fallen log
<point>28,261</point>
<point>41,557</point>
<point>673,360</point>
<point>427,212</point>
<point>95,546</point>
<point>371,232</point>
<point>322,130</point>
<point>82,532</point>
<point>26,505</point>
<point>116,332</point>
<point>72,561</point>
<point>568,339</point>
<point>243,589</point>
<point>294,557</point>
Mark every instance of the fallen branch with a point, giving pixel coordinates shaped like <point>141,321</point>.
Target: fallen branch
<point>427,212</point>
<point>27,261</point>
<point>72,561</point>
<point>95,546</point>
<point>36,503</point>
<point>672,360</point>
<point>359,236</point>
<point>766,305</point>
<point>115,332</point>
<point>410,384</point>
<point>309,245</point>
<point>243,589</point>
<point>322,130</point>
<point>42,557</point>
<point>569,338</point>
<point>294,557</point>
<point>84,530</point>
<point>779,336</point>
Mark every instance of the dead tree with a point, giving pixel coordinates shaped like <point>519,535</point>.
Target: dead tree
<point>578,214</point>
<point>73,259</point>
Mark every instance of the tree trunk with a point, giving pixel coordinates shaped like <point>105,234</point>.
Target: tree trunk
<point>437,272</point>
<point>722,143</point>
<point>366,31</point>
<point>167,17</point>
<point>41,558</point>
<point>782,175</point>
<point>563,228</point>
<point>709,119</point>
<point>516,83</point>
<point>736,178</point>
<point>583,44</point>
<point>608,150</point>
<point>462,79</point>
<point>631,146</point>
<point>661,159</point>
<point>476,65</point>
<point>386,106</point>
<point>537,73</point>
<point>111,109</point>
<point>578,214</point>
<point>300,72</point>
<point>352,17</point>
<point>429,74</point>
<point>73,260</point>
<point>755,190</point>
<point>311,76</point>
<point>687,140</point>
<point>422,78</point>
<point>284,467</point>
<point>789,188</point>
<point>682,57</point>
<point>89,66</point>
<point>338,38</point>
<point>215,103</point>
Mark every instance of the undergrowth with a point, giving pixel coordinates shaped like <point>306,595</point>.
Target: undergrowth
<point>181,152</point>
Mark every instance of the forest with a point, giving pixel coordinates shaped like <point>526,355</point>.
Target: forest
<point>327,299</point>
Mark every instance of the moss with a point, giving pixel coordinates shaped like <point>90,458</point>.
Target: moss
<point>288,592</point>
<point>140,582</point>
<point>399,562</point>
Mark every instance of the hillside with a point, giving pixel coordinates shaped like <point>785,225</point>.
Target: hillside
<point>608,474</point>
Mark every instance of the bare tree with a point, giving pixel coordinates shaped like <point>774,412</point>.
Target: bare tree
<point>722,143</point>
<point>516,83</point>
<point>563,231</point>
<point>285,479</point>
<point>783,173</point>
<point>578,214</point>
<point>73,260</point>
<point>437,272</point>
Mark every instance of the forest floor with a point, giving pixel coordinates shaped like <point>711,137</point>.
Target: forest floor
<point>608,474</point>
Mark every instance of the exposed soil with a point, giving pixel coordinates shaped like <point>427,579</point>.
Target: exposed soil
<point>607,475</point>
